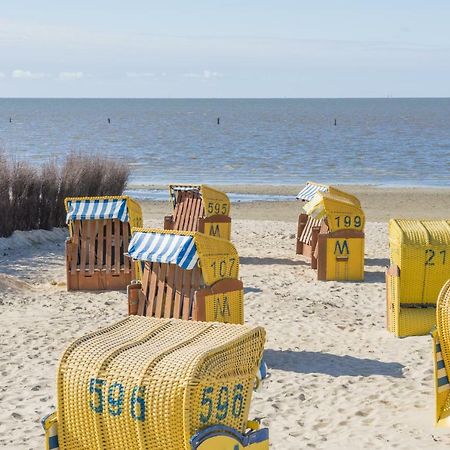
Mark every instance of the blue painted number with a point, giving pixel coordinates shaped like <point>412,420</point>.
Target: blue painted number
<point>96,391</point>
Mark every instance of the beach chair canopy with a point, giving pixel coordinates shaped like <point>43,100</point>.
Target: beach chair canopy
<point>420,249</point>
<point>308,192</point>
<point>146,383</point>
<point>312,188</point>
<point>342,213</point>
<point>122,208</point>
<point>217,258</point>
<point>214,202</point>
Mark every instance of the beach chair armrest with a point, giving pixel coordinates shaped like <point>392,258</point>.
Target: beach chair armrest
<point>133,290</point>
<point>50,425</point>
<point>168,222</point>
<point>224,437</point>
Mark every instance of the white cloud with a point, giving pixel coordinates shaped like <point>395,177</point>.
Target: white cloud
<point>70,75</point>
<point>140,74</point>
<point>26,74</point>
<point>205,75</point>
<point>2,75</point>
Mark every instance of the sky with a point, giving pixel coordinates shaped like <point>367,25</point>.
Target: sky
<point>226,48</point>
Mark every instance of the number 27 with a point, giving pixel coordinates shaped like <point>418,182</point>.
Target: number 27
<point>430,254</point>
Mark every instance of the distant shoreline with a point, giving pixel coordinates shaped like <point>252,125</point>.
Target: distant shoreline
<point>291,189</point>
<point>379,203</point>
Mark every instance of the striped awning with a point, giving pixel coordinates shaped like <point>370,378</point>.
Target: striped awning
<point>442,381</point>
<point>165,248</point>
<point>91,209</point>
<point>308,192</point>
<point>185,187</point>
<point>175,188</point>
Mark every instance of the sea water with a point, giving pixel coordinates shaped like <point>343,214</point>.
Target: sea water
<point>274,141</point>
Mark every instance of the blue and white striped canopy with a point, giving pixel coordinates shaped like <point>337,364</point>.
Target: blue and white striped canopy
<point>308,192</point>
<point>97,209</point>
<point>164,248</point>
<point>442,382</point>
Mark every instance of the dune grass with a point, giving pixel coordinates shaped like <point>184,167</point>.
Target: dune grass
<point>33,198</point>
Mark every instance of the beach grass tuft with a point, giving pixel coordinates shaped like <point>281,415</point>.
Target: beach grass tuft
<point>33,198</point>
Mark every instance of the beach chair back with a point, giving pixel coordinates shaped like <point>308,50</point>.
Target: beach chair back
<point>160,384</point>
<point>331,233</point>
<point>186,275</point>
<point>199,208</point>
<point>419,267</point>
<point>441,357</point>
<point>99,234</point>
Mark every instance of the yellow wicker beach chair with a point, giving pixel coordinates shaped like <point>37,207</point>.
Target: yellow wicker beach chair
<point>441,357</point>
<point>158,384</point>
<point>186,276</point>
<point>419,267</point>
<point>331,233</point>
<point>199,208</point>
<point>99,230</point>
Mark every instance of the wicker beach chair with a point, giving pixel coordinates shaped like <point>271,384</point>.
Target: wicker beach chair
<point>199,208</point>
<point>441,357</point>
<point>419,267</point>
<point>99,230</point>
<point>330,233</point>
<point>159,384</point>
<point>186,275</point>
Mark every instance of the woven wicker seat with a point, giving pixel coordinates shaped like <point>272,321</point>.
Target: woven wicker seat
<point>199,208</point>
<point>99,229</point>
<point>330,234</point>
<point>159,384</point>
<point>419,267</point>
<point>186,276</point>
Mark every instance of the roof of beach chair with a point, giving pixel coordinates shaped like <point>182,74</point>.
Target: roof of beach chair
<point>341,212</point>
<point>308,192</point>
<point>122,208</point>
<point>216,257</point>
<point>214,201</point>
<point>312,188</point>
<point>419,232</point>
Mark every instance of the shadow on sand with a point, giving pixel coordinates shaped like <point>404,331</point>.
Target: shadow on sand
<point>384,262</point>
<point>247,290</point>
<point>329,364</point>
<point>268,261</point>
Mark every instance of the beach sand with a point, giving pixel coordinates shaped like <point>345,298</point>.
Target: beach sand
<point>338,379</point>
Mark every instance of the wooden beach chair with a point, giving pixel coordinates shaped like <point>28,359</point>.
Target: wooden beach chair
<point>159,384</point>
<point>441,358</point>
<point>419,267</point>
<point>199,208</point>
<point>186,275</point>
<point>99,233</point>
<point>330,233</point>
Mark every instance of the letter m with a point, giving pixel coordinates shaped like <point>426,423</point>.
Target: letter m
<point>341,248</point>
<point>214,230</point>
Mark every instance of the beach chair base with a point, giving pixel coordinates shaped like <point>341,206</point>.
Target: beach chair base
<point>222,302</point>
<point>98,281</point>
<point>216,437</point>
<point>94,276</point>
<point>340,256</point>
<point>406,319</point>
<point>217,226</point>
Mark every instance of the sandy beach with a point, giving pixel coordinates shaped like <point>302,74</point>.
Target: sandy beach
<point>338,379</point>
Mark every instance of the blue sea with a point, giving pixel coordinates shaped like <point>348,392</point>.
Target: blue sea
<point>275,141</point>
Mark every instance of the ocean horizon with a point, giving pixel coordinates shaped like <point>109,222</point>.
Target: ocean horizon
<point>378,141</point>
